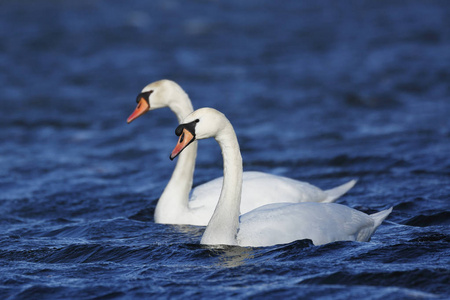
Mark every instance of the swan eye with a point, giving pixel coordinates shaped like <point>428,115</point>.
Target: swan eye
<point>188,126</point>
<point>179,130</point>
<point>145,95</point>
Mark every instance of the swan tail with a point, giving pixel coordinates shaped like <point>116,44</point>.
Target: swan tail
<point>333,194</point>
<point>379,217</point>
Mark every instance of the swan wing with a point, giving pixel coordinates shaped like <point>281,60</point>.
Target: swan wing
<point>262,188</point>
<point>320,222</point>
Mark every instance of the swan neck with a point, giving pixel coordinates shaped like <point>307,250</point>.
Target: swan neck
<point>180,104</point>
<point>224,223</point>
<point>174,200</point>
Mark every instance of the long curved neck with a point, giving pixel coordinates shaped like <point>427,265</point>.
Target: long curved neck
<point>175,198</point>
<point>224,223</point>
<point>179,103</point>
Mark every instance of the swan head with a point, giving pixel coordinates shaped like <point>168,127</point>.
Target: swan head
<point>201,124</point>
<point>155,95</point>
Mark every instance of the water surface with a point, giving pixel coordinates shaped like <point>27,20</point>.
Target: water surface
<point>322,91</point>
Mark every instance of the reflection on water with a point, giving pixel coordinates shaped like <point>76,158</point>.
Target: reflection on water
<point>195,231</point>
<point>233,256</point>
<point>229,256</point>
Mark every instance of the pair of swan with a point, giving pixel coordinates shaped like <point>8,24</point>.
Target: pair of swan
<point>276,223</point>
<point>175,206</point>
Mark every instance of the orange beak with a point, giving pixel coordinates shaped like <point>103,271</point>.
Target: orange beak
<point>186,137</point>
<point>141,109</point>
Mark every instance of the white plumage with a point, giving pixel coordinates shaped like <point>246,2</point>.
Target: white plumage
<point>175,206</point>
<point>270,224</point>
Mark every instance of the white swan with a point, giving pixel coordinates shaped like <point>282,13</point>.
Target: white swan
<point>271,224</point>
<point>174,205</point>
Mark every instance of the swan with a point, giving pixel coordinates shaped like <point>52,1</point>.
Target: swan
<point>271,224</point>
<point>174,205</point>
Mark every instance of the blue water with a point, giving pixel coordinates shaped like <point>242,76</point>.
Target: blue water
<point>320,91</point>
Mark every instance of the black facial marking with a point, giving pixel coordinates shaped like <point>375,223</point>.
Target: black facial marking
<point>179,130</point>
<point>145,95</point>
<point>188,126</point>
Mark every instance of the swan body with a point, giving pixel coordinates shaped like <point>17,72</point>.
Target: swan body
<point>271,224</point>
<point>276,189</point>
<point>322,223</point>
<point>176,207</point>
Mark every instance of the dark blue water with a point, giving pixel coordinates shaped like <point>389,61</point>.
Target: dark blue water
<point>320,91</point>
